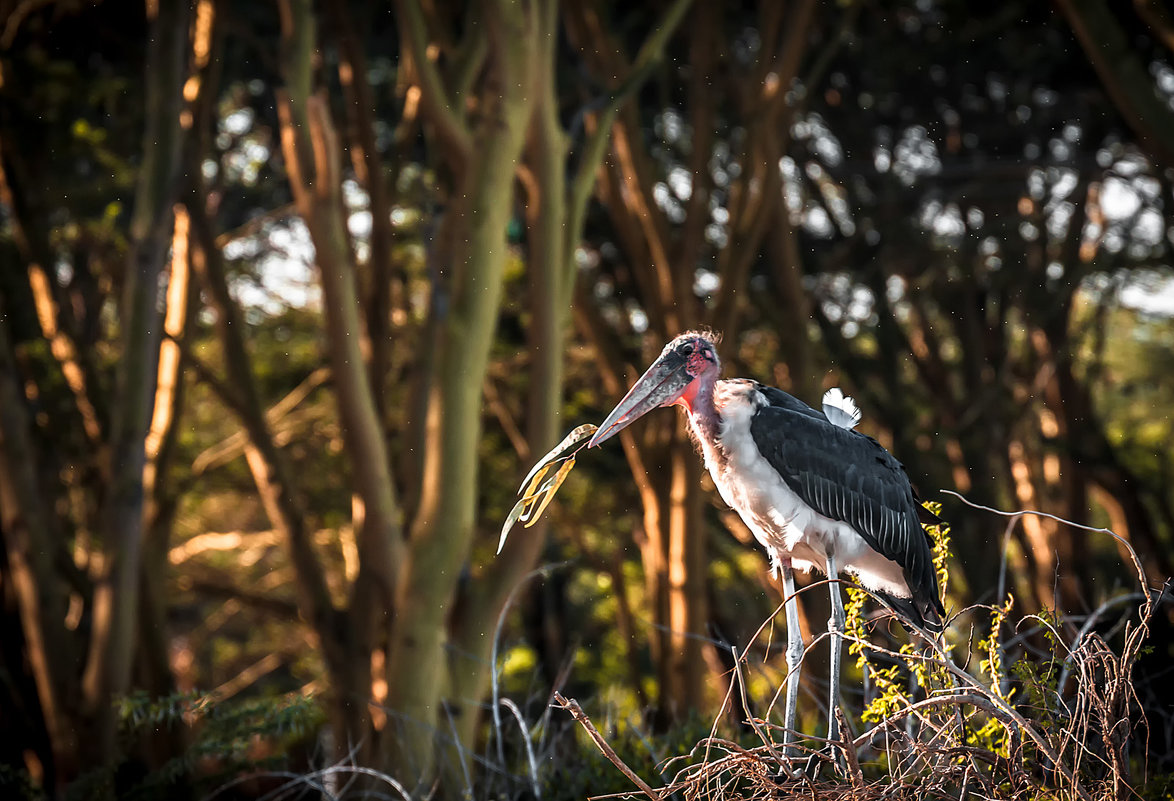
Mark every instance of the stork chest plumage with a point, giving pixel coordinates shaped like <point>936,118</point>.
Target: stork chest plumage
<point>785,525</point>
<point>745,480</point>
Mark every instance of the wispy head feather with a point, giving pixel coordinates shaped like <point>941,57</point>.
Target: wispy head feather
<point>712,337</point>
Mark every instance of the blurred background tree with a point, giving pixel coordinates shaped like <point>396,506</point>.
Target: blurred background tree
<point>293,294</point>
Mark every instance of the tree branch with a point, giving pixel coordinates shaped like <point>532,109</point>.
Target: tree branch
<point>116,596</point>
<point>371,173</point>
<point>1123,75</point>
<point>26,531</point>
<point>319,201</point>
<point>572,706</point>
<point>270,470</point>
<point>1157,16</point>
<point>434,97</point>
<point>650,55</point>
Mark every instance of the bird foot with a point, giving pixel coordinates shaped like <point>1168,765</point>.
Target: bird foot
<point>814,766</point>
<point>829,754</point>
<point>793,769</point>
<point>789,771</point>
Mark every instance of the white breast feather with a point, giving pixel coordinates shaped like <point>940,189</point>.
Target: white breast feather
<point>781,522</point>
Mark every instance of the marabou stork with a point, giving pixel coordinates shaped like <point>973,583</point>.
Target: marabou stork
<point>815,493</point>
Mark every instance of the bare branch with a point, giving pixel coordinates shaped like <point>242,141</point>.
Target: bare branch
<point>1123,74</point>
<point>1141,577</point>
<point>434,97</point>
<point>572,706</point>
<point>650,55</point>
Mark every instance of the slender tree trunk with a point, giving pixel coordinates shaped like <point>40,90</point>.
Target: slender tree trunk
<point>556,214</point>
<point>153,664</point>
<point>443,527</point>
<point>108,669</point>
<point>687,575</point>
<point>370,172</point>
<point>313,154</point>
<point>28,536</point>
<point>549,275</point>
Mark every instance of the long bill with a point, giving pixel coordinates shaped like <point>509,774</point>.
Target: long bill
<point>661,384</point>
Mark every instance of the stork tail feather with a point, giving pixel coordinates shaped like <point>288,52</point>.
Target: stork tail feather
<point>840,409</point>
<point>920,612</point>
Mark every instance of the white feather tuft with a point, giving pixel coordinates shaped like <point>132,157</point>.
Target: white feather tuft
<point>840,409</point>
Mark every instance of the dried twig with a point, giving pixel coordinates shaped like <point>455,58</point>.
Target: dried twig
<point>1077,749</point>
<point>572,706</point>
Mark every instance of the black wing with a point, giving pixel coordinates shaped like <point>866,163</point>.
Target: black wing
<point>847,476</point>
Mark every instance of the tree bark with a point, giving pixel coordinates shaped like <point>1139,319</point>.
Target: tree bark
<point>312,155</point>
<point>108,669</point>
<point>443,527</point>
<point>29,542</point>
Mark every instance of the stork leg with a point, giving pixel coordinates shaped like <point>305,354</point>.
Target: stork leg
<point>794,658</point>
<point>836,630</point>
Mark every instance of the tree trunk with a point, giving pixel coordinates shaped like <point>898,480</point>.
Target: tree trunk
<point>556,214</point>
<point>443,527</point>
<point>108,669</point>
<point>29,538</point>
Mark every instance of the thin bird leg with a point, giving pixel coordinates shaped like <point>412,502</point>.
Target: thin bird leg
<point>836,630</point>
<point>794,659</point>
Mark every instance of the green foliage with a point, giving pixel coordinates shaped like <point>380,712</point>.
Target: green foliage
<point>1158,788</point>
<point>225,738</point>
<point>886,679</point>
<point>222,728</point>
<point>992,663</point>
<point>72,93</point>
<point>940,548</point>
<point>16,785</point>
<point>891,681</point>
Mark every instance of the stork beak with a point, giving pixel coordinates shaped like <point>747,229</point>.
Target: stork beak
<point>661,384</point>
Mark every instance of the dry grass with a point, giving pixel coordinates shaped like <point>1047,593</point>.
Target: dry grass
<point>1058,724</point>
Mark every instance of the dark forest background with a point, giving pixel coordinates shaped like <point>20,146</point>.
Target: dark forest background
<point>292,295</point>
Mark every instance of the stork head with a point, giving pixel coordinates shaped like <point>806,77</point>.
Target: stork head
<point>686,364</point>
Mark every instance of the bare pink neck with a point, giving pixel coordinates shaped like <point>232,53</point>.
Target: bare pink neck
<point>704,418</point>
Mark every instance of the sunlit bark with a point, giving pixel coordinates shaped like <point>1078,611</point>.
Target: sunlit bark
<point>154,669</point>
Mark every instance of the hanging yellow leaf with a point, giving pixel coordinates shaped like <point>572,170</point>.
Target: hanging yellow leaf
<point>538,489</point>
<point>559,478</point>
<point>534,497</point>
<point>531,489</point>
